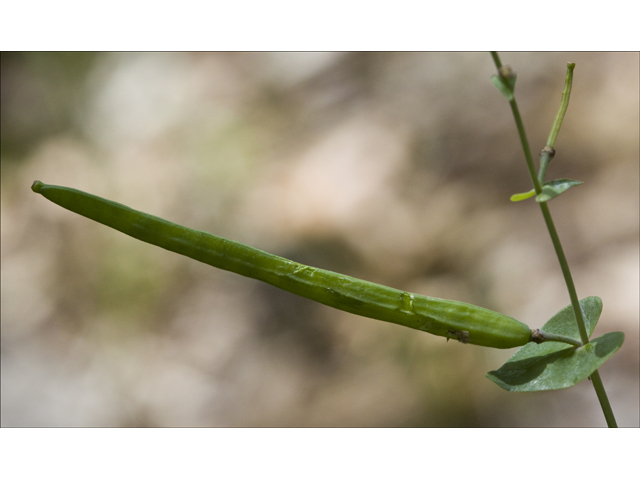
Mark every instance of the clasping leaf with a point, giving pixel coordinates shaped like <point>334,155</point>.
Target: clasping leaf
<point>505,82</point>
<point>554,188</point>
<point>555,365</point>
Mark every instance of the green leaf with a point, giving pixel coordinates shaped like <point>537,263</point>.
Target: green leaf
<point>564,322</point>
<point>503,86</point>
<point>555,365</point>
<point>560,369</point>
<point>554,188</point>
<point>518,197</point>
<point>506,81</point>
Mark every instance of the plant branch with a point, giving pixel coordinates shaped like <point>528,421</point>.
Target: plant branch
<point>546,156</point>
<point>564,104</point>
<point>540,336</point>
<point>564,266</point>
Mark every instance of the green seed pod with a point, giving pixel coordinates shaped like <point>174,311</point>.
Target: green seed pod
<point>462,321</point>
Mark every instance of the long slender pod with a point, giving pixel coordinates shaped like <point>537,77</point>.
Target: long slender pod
<point>464,322</point>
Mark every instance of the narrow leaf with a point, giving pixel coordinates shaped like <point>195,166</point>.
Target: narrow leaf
<point>518,197</point>
<point>555,187</point>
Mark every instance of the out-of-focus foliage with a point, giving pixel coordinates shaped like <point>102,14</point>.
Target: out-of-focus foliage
<point>40,97</point>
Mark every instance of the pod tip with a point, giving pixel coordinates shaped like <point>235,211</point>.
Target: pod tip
<point>37,186</point>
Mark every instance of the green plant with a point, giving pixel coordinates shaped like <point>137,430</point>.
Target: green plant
<point>602,347</point>
<point>558,356</point>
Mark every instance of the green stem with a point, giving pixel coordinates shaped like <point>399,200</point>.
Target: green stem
<point>548,152</point>
<point>564,104</point>
<point>546,155</point>
<point>564,266</point>
<point>540,336</point>
<point>496,60</point>
<point>525,145</point>
<point>604,400</point>
<point>555,239</point>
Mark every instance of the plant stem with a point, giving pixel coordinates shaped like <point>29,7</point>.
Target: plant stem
<point>604,400</point>
<point>564,266</point>
<point>555,239</point>
<point>564,104</point>
<point>540,336</point>
<point>546,155</point>
<point>496,60</point>
<point>525,145</point>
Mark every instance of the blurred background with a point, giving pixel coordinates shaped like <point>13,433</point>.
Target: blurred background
<point>392,167</point>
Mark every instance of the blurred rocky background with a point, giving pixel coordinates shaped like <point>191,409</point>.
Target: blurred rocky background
<point>392,167</point>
